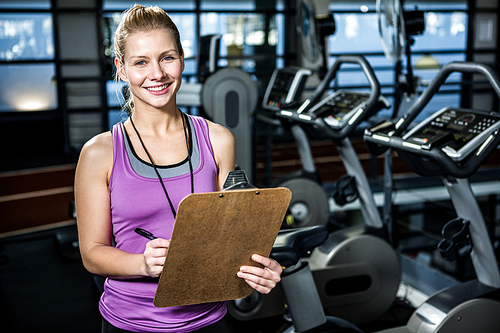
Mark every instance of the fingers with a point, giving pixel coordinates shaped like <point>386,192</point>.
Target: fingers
<point>155,255</point>
<point>267,262</point>
<point>261,279</point>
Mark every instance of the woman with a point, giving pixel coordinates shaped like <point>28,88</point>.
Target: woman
<point>136,175</point>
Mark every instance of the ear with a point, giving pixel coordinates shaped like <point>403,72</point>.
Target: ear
<point>182,61</point>
<point>120,70</point>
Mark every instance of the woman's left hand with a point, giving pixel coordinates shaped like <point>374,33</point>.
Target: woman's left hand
<point>262,279</point>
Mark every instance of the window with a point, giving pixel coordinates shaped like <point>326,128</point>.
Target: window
<point>26,51</point>
<point>30,116</point>
<point>121,5</point>
<point>25,4</point>
<point>38,93</point>
<point>243,35</point>
<point>444,39</point>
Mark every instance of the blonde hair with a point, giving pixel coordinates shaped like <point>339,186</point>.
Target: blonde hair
<point>141,19</point>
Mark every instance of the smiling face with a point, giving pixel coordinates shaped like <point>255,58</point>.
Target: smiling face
<point>153,68</point>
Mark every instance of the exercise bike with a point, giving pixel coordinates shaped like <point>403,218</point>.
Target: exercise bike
<point>452,143</point>
<point>309,204</point>
<point>356,271</point>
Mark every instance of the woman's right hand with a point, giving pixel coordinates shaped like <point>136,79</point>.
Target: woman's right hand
<point>155,255</point>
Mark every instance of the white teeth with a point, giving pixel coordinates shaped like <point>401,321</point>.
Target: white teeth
<point>159,88</point>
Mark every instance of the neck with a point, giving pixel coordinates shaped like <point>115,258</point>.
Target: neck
<point>158,123</point>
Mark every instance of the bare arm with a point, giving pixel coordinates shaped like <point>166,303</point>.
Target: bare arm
<point>92,198</point>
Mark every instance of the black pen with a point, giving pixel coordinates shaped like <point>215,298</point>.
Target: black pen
<point>145,233</point>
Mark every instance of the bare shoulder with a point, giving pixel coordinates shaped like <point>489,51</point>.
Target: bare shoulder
<point>99,146</point>
<point>220,136</point>
<point>97,154</point>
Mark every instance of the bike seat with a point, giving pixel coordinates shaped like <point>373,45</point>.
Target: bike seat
<point>291,244</point>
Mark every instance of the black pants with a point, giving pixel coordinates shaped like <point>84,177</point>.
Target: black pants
<point>222,326</point>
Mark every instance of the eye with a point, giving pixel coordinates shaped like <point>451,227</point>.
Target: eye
<point>168,58</point>
<point>139,63</point>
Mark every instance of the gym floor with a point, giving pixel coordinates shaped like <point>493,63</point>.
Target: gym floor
<point>45,288</point>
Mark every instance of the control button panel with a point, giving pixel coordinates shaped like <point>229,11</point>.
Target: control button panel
<point>285,87</point>
<point>456,131</point>
<point>339,107</point>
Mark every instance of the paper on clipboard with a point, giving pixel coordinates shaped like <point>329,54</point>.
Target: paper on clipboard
<point>214,235</point>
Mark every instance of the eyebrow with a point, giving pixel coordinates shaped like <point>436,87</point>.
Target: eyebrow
<point>161,54</point>
<point>170,51</point>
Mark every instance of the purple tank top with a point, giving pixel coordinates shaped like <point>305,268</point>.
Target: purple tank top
<point>139,202</point>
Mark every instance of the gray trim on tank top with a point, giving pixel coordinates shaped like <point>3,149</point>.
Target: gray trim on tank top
<point>145,169</point>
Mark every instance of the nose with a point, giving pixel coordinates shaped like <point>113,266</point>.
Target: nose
<point>157,72</point>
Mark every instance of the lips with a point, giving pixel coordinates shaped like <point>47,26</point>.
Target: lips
<point>158,88</point>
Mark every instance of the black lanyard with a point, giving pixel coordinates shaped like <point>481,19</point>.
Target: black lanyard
<point>156,168</point>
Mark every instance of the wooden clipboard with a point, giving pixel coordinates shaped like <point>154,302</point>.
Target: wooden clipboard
<point>214,235</point>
